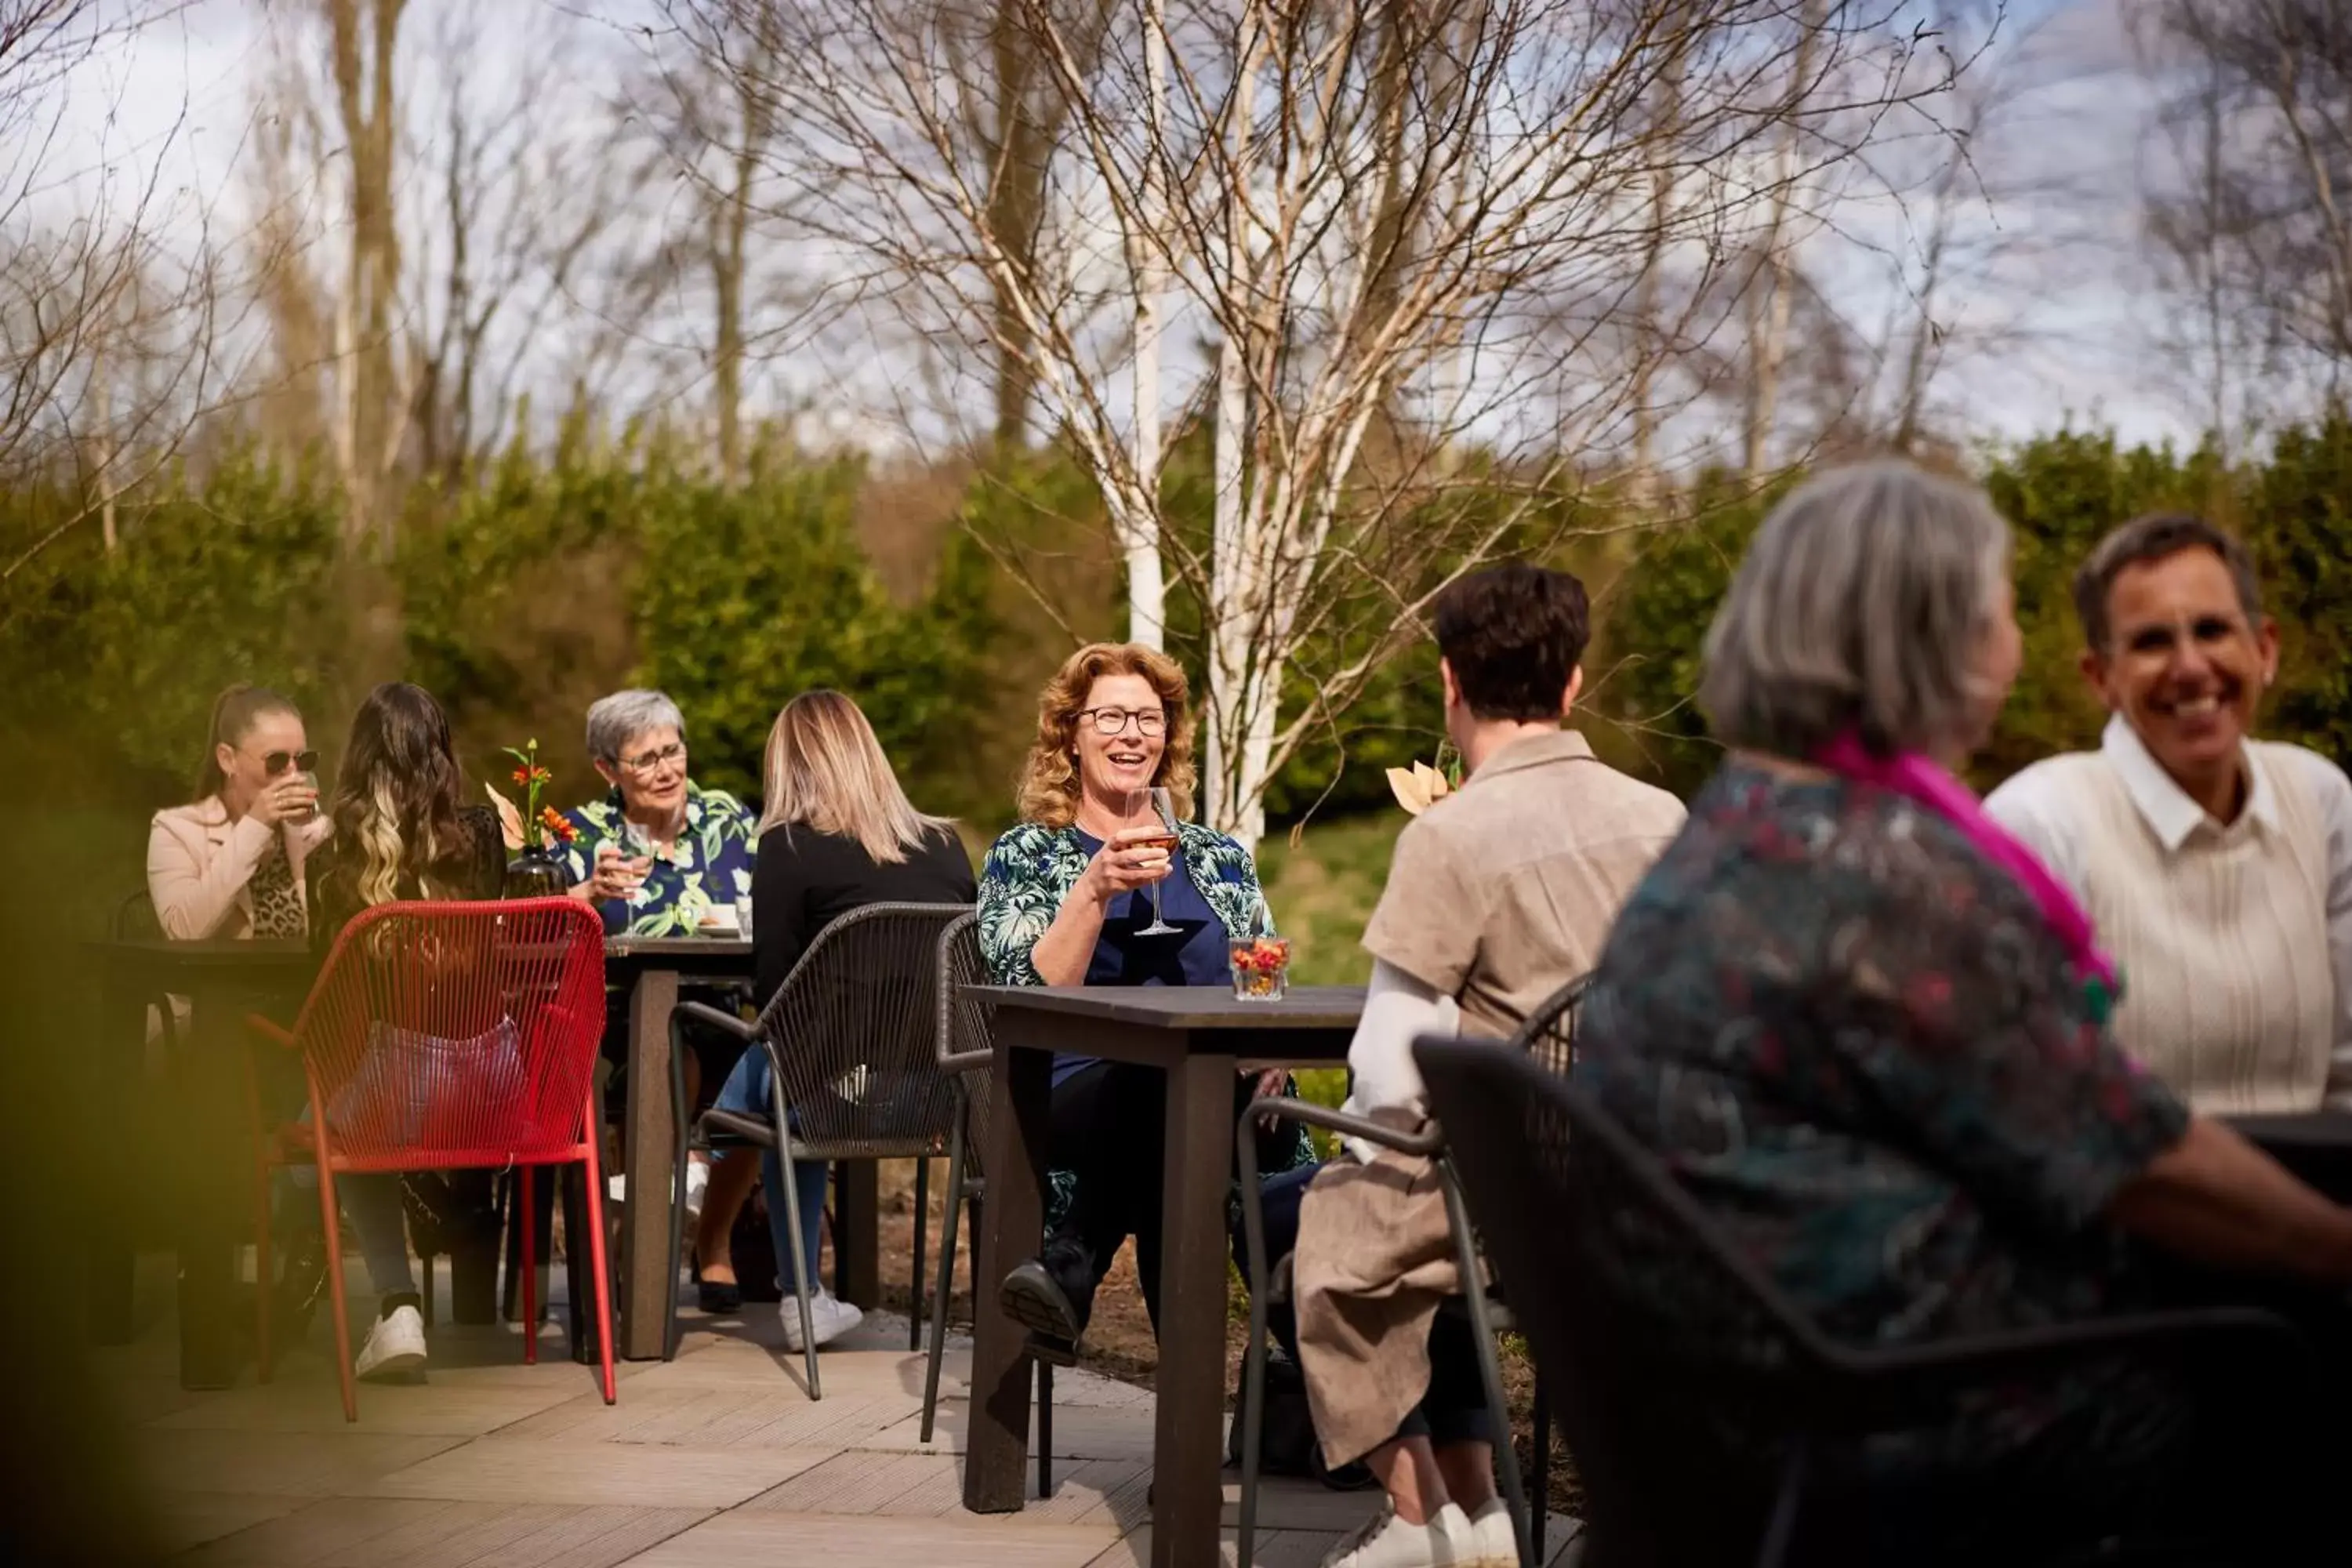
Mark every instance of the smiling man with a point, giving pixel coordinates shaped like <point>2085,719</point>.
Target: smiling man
<point>2217,868</point>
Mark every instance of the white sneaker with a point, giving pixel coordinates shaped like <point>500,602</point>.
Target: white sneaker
<point>1388,1541</point>
<point>1493,1543</point>
<point>829,1316</point>
<point>394,1348</point>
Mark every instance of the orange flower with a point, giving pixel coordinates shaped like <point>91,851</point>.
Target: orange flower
<point>558,824</point>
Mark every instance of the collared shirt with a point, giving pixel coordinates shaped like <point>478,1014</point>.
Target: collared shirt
<point>2234,939</point>
<point>709,864</point>
<point>1504,892</point>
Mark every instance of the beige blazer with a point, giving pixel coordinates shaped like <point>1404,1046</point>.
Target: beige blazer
<point>200,866</point>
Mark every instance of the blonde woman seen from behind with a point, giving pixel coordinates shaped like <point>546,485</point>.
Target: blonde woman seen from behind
<point>839,834</point>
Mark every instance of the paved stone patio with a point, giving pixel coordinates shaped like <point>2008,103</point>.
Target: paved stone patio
<point>715,1459</point>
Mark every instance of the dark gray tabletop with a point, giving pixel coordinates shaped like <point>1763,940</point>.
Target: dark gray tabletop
<point>1186,1006</point>
<point>725,955</point>
<point>275,955</point>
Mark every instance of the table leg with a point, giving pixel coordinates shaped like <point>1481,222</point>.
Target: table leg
<point>648,1268</point>
<point>1188,1442</point>
<point>122,1040</point>
<point>996,1454</point>
<point>857,1233</point>
<point>216,1186</point>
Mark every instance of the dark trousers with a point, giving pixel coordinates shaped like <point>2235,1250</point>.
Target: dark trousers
<point>1108,1131</point>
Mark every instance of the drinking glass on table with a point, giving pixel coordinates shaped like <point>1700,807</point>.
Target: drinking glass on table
<point>1261,961</point>
<point>1162,807</point>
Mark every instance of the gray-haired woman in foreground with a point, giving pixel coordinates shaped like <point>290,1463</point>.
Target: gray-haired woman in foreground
<point>1870,1035</point>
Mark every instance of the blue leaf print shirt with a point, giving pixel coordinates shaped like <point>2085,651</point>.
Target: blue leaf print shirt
<point>709,864</point>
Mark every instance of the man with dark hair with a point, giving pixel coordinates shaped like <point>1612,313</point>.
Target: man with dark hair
<point>1499,895</point>
<point>2217,868</point>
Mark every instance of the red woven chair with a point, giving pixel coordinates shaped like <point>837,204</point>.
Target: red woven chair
<point>445,1035</point>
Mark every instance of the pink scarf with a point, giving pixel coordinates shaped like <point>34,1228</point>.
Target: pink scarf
<point>1916,778</point>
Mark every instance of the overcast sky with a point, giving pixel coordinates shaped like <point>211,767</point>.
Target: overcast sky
<point>2048,318</point>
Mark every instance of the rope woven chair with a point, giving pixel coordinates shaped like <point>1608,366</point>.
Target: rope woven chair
<point>1547,1038</point>
<point>443,1036</point>
<point>1746,1391</point>
<point>851,1035</point>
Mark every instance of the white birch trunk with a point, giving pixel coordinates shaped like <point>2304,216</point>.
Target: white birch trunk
<point>1147,588</point>
<point>1234,610</point>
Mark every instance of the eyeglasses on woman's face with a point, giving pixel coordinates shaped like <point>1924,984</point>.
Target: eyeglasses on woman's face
<point>276,762</point>
<point>1115,720</point>
<point>652,761</point>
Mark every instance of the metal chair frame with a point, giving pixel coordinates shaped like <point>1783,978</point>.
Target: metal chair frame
<point>1817,1393</point>
<point>1547,1037</point>
<point>794,1041</point>
<point>532,931</point>
<point>962,1022</point>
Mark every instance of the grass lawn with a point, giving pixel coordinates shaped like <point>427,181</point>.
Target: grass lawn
<point>1322,891</point>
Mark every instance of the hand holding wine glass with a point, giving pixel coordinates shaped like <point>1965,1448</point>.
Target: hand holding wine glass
<point>1157,809</point>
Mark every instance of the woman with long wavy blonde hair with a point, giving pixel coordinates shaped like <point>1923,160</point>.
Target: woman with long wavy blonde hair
<point>400,833</point>
<point>839,834</point>
<point>1066,898</point>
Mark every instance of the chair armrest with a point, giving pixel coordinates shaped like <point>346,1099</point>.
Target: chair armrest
<point>1874,1389</point>
<point>270,1031</point>
<point>719,1017</point>
<point>1430,1142</point>
<point>955,1062</point>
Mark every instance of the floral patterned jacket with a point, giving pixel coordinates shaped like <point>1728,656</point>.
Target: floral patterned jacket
<point>1031,869</point>
<point>710,863</point>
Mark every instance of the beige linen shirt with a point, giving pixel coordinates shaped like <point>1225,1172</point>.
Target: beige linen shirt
<point>1498,896</point>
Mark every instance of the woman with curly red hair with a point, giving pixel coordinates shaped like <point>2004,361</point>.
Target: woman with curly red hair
<point>1066,898</point>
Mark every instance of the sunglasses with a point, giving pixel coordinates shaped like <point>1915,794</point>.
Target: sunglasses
<point>276,763</point>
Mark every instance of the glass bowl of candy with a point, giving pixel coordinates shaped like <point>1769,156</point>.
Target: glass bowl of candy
<point>1261,969</point>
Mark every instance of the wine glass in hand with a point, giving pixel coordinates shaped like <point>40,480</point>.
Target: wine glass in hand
<point>1162,808</point>
<point>638,846</point>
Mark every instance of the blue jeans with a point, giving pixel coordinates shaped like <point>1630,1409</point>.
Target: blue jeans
<point>747,1093</point>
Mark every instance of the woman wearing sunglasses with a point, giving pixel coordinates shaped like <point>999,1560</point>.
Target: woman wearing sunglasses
<point>230,863</point>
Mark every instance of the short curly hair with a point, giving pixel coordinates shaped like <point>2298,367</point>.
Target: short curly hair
<point>1049,779</point>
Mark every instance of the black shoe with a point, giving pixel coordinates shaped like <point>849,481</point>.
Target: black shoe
<point>1033,1298</point>
<point>719,1297</point>
<point>300,1287</point>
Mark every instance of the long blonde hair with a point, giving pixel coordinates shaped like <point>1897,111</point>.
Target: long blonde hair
<point>826,771</point>
<point>1049,780</point>
<point>396,801</point>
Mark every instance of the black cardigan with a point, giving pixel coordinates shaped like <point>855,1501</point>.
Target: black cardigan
<point>804,880</point>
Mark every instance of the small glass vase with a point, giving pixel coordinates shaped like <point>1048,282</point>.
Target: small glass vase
<point>1261,969</point>
<point>536,873</point>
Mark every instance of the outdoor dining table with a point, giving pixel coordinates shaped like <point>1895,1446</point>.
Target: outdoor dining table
<point>208,1165</point>
<point>1200,1037</point>
<point>2315,1146</point>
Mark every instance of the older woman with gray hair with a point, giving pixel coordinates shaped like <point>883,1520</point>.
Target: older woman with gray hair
<point>659,854</point>
<point>1870,1034</point>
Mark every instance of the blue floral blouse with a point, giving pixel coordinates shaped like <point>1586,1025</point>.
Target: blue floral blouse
<point>711,863</point>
